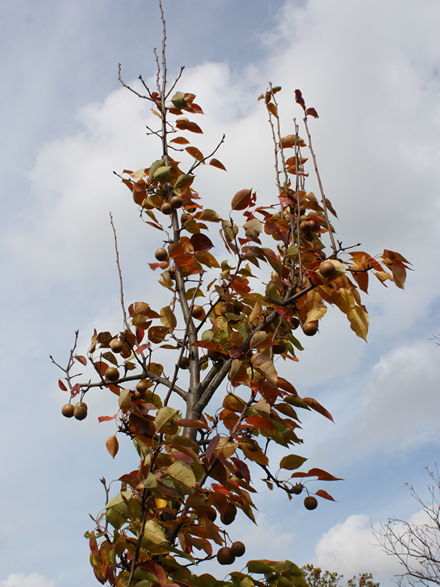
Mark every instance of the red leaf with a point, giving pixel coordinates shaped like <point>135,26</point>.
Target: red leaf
<point>323,475</point>
<point>299,99</point>
<point>242,467</point>
<point>81,359</point>
<point>218,164</point>
<point>160,264</point>
<point>312,112</point>
<point>143,347</point>
<point>139,334</point>
<point>75,390</point>
<point>61,385</point>
<point>312,403</point>
<point>201,242</point>
<point>324,494</point>
<point>185,124</point>
<point>241,200</point>
<point>106,418</point>
<point>287,386</point>
<point>260,423</point>
<point>211,447</point>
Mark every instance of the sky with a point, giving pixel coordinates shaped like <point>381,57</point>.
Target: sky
<point>372,70</point>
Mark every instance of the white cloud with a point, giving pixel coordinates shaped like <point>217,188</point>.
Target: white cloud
<point>399,410</point>
<point>22,580</point>
<point>350,548</point>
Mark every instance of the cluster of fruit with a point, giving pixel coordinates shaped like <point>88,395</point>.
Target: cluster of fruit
<point>227,554</point>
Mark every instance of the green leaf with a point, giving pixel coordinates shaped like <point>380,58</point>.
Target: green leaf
<point>182,473</point>
<point>291,462</point>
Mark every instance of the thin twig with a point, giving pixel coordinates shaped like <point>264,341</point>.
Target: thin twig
<point>121,81</point>
<point>121,282</point>
<point>321,189</point>
<point>197,163</point>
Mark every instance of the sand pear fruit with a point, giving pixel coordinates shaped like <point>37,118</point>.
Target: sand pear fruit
<point>67,410</point>
<point>225,556</point>
<point>161,254</point>
<point>310,502</point>
<point>238,548</point>
<point>116,345</point>
<point>80,411</point>
<point>112,374</point>
<point>176,202</point>
<point>310,328</point>
<point>198,312</point>
<point>166,208</point>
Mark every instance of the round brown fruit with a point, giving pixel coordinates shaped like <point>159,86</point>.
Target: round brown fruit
<point>310,328</point>
<point>225,556</point>
<point>166,208</point>
<point>297,489</point>
<point>184,362</point>
<point>112,374</point>
<point>238,548</point>
<point>176,202</point>
<point>197,312</point>
<point>211,514</point>
<point>67,410</point>
<point>116,345</point>
<point>310,502</point>
<point>161,254</point>
<point>228,515</point>
<point>80,411</point>
<point>328,270</point>
<point>142,385</point>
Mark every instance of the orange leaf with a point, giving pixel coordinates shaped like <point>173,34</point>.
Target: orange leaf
<point>112,445</point>
<point>323,475</point>
<point>324,494</point>
<point>195,152</point>
<point>312,403</point>
<point>180,141</point>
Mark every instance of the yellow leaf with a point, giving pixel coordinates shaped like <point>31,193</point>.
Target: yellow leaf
<point>314,306</point>
<point>154,533</point>
<point>168,318</point>
<point>254,316</point>
<point>163,416</point>
<point>258,339</point>
<point>359,320</point>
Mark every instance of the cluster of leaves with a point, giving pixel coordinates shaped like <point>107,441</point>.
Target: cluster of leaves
<point>226,321</point>
<point>317,577</point>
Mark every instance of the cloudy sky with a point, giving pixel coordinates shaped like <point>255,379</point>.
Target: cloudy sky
<point>372,70</point>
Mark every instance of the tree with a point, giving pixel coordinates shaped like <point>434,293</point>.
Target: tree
<point>224,326</point>
<point>317,577</point>
<point>416,543</point>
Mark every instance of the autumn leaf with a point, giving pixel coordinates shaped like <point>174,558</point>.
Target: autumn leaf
<point>292,462</point>
<point>112,445</point>
<point>241,200</point>
<point>217,163</point>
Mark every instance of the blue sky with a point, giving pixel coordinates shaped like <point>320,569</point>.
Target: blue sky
<point>372,71</point>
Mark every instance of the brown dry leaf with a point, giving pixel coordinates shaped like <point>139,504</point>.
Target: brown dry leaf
<point>112,445</point>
